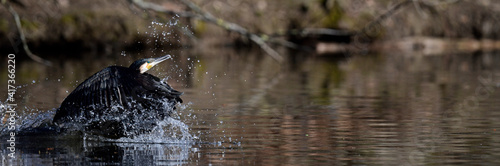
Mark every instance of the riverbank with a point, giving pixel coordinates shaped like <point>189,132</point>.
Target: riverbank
<point>106,25</point>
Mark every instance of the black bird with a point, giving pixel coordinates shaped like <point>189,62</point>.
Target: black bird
<point>119,101</point>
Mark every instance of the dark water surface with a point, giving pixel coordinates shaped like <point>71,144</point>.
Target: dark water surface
<point>242,108</point>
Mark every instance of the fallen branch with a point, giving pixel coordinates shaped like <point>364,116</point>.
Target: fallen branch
<point>207,17</point>
<point>23,38</point>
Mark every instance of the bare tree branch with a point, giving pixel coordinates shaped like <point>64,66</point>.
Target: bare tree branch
<point>384,16</point>
<point>207,17</point>
<point>23,38</point>
<point>398,6</point>
<point>157,8</point>
<point>289,44</point>
<point>313,31</point>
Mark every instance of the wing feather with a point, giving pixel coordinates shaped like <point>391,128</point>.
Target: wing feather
<point>107,87</point>
<point>114,86</point>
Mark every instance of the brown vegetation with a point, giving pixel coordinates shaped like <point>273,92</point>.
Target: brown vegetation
<point>97,24</point>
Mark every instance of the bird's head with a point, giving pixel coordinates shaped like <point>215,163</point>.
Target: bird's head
<point>143,65</point>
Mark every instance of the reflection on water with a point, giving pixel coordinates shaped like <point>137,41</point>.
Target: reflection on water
<point>50,150</point>
<point>378,109</point>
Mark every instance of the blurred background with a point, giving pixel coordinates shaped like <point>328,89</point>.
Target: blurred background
<point>94,25</point>
<point>361,82</point>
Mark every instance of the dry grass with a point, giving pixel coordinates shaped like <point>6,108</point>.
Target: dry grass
<point>102,22</point>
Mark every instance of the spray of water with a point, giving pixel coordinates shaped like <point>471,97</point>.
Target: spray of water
<point>167,130</point>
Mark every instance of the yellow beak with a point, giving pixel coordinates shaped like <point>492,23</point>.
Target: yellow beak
<point>149,66</point>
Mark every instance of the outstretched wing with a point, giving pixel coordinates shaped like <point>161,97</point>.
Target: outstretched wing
<point>108,87</point>
<point>115,86</point>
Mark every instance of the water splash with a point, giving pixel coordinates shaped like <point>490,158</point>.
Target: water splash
<point>163,34</point>
<point>168,130</point>
<point>4,108</point>
<point>24,122</point>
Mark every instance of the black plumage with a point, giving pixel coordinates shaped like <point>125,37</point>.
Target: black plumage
<point>119,101</point>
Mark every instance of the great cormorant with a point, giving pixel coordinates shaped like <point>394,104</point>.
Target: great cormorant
<point>119,101</point>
